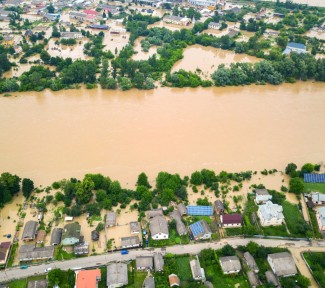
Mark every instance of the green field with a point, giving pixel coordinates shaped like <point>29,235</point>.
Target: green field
<point>314,187</point>
<point>23,282</point>
<point>183,268</point>
<point>275,231</point>
<point>316,261</point>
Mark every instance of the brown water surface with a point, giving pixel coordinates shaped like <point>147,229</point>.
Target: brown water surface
<point>52,135</point>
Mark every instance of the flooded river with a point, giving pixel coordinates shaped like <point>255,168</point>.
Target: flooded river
<point>51,135</point>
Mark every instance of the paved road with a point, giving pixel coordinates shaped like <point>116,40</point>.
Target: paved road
<point>99,260</point>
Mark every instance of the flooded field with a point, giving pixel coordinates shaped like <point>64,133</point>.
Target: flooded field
<point>141,55</point>
<point>48,136</point>
<point>208,59</point>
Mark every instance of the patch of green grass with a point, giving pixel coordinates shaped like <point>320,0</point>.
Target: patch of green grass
<point>275,231</point>
<point>314,223</point>
<point>234,231</point>
<point>18,284</point>
<point>103,272</point>
<point>12,255</point>
<point>60,254</point>
<point>183,268</point>
<point>316,261</point>
<point>314,187</point>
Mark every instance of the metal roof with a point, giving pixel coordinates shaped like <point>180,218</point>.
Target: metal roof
<point>314,178</point>
<point>56,236</point>
<point>117,273</point>
<point>296,46</point>
<point>199,228</point>
<point>200,210</point>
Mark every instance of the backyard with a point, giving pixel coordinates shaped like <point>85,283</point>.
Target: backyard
<point>316,261</point>
<point>314,187</point>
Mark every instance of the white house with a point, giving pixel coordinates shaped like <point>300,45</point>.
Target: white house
<point>214,25</point>
<point>159,228</point>
<point>203,3</point>
<point>171,19</point>
<point>70,35</point>
<point>295,47</point>
<point>262,196</point>
<point>270,214</point>
<point>230,264</point>
<point>282,264</point>
<point>197,272</point>
<point>317,198</point>
<point>320,216</point>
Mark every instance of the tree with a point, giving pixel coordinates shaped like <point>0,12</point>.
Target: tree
<point>50,8</point>
<point>291,167</point>
<point>143,180</point>
<point>228,250</point>
<point>27,187</point>
<point>307,168</point>
<point>84,190</point>
<point>100,226</point>
<point>296,185</point>
<point>196,178</point>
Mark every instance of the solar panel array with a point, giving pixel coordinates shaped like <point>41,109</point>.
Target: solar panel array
<point>200,210</point>
<point>314,178</point>
<point>196,228</point>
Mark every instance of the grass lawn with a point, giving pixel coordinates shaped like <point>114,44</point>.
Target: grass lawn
<point>314,187</point>
<point>234,231</point>
<point>313,220</point>
<point>183,268</point>
<point>316,261</point>
<point>103,272</point>
<point>12,255</point>
<point>275,231</point>
<point>18,284</point>
<point>60,254</point>
<point>138,279</point>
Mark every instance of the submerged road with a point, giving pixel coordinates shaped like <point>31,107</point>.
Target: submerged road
<point>100,260</point>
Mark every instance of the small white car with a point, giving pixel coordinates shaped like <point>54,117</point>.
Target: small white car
<point>48,269</point>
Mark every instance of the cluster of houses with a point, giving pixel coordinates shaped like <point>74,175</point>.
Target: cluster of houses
<point>316,201</point>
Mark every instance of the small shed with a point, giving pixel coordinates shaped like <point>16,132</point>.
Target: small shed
<point>251,262</point>
<point>149,282</point>
<point>174,280</point>
<point>219,208</point>
<point>56,236</point>
<point>29,232</point>
<point>131,241</point>
<point>110,219</point>
<point>144,262</point>
<point>94,235</point>
<point>40,237</point>
<point>159,262</point>
<point>182,209</point>
<point>253,280</point>
<point>270,278</point>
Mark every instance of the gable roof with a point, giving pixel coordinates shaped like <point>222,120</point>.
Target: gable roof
<point>154,213</point>
<point>261,192</point>
<point>29,230</point>
<point>158,261</point>
<point>144,261</point>
<point>110,218</point>
<point>158,224</point>
<point>200,228</point>
<point>250,261</point>
<point>219,205</point>
<point>271,211</point>
<point>232,219</point>
<point>88,278</point>
<point>149,282</point>
<point>197,271</point>
<point>321,213</point>
<point>317,197</point>
<point>200,210</point>
<point>283,263</point>
<point>117,273</point>
<point>4,249</point>
<point>182,209</point>
<point>29,252</point>
<point>252,278</point>
<point>229,264</point>
<point>130,241</point>
<point>135,227</point>
<point>174,280</point>
<point>56,236</point>
<point>296,46</point>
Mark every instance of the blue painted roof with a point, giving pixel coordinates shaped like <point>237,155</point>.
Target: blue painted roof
<point>296,46</point>
<point>200,210</point>
<point>314,178</point>
<point>197,228</point>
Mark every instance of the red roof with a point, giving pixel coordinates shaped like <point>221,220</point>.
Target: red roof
<point>92,12</point>
<point>88,278</point>
<point>231,219</point>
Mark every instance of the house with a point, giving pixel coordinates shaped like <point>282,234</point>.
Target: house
<point>219,208</point>
<point>110,219</point>
<point>144,262</point>
<point>40,236</point>
<point>232,33</point>
<point>158,262</point>
<point>41,283</point>
<point>230,264</point>
<point>231,220</point>
<point>251,262</point>
<point>98,27</point>
<point>18,49</point>
<point>94,235</point>
<point>114,10</point>
<point>149,282</point>
<point>214,25</point>
<point>117,30</point>
<point>270,214</point>
<point>271,33</point>
<point>81,248</point>
<point>88,278</point>
<point>235,10</point>
<point>180,226</point>
<point>130,242</point>
<point>174,280</point>
<point>4,251</point>
<point>203,3</point>
<point>262,196</point>
<point>70,35</point>
<point>253,279</point>
<point>8,40</point>
<point>154,213</point>
<point>56,236</point>
<point>30,253</point>
<point>29,232</point>
<point>77,16</point>
<point>320,217</point>
<point>295,47</point>
<point>282,264</point>
<point>50,17</point>
<point>176,20</point>
<point>200,230</point>
<point>158,228</point>
<point>271,279</point>
<point>135,227</point>
<point>197,272</point>
<point>182,209</point>
<point>68,218</point>
<point>314,178</point>
<point>279,15</point>
<point>117,275</point>
<point>200,210</point>
<point>317,198</point>
<point>71,234</point>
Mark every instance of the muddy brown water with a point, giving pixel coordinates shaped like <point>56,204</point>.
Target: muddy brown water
<point>53,135</point>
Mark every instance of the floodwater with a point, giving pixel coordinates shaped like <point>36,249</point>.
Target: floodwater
<point>48,136</point>
<point>320,3</point>
<point>140,54</point>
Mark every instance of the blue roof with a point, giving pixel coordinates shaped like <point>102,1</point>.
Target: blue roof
<point>314,178</point>
<point>197,229</point>
<point>200,210</point>
<point>296,46</point>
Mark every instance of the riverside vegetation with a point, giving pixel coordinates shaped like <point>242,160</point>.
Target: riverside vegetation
<point>120,71</point>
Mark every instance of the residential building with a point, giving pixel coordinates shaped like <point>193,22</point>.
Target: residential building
<point>94,235</point>
<point>200,210</point>
<point>110,219</point>
<point>262,196</point>
<point>77,16</point>
<point>271,33</point>
<point>130,242</point>
<point>71,234</point>
<point>29,232</point>
<point>70,35</point>
<point>200,230</point>
<point>217,26</point>
<point>270,214</point>
<point>197,272</point>
<point>282,264</point>
<point>149,282</point>
<point>154,213</point>
<point>144,263</point>
<point>135,227</point>
<point>81,248</point>
<point>271,279</point>
<point>41,283</point>
<point>253,279</point>
<point>56,236</point>
<point>117,275</point>
<point>231,220</point>
<point>230,264</point>
<point>233,32</point>
<point>219,208</point>
<point>320,216</point>
<point>159,263</point>
<point>98,27</point>
<point>182,209</point>
<point>203,3</point>
<point>176,20</point>
<point>251,262</point>
<point>317,198</point>
<point>180,226</point>
<point>295,47</point>
<point>4,251</point>
<point>88,278</point>
<point>30,253</point>
<point>174,280</point>
<point>40,236</point>
<point>50,17</point>
<point>159,228</point>
<point>8,40</point>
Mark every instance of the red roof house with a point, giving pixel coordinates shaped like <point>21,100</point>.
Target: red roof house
<point>231,220</point>
<point>88,278</point>
<point>91,12</point>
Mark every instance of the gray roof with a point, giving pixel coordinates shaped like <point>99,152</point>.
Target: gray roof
<point>270,278</point>
<point>219,205</point>
<point>158,224</point>
<point>175,215</point>
<point>29,230</point>
<point>81,248</point>
<point>117,273</point>
<point>69,34</point>
<point>229,264</point>
<point>56,236</point>
<point>94,235</point>
<point>261,192</point>
<point>158,261</point>
<point>180,226</point>
<point>149,282</point>
<point>173,18</point>
<point>110,218</point>
<point>154,213</point>
<point>283,264</point>
<point>182,209</point>
<point>144,262</point>
<point>317,197</point>
<point>250,261</point>
<point>42,283</point>
<point>135,227</point>
<point>321,213</point>
<point>130,241</point>
<point>71,230</point>
<point>253,279</point>
<point>271,211</point>
<point>196,269</point>
<point>29,252</point>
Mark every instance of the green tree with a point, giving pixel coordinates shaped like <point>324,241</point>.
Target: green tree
<point>27,187</point>
<point>50,8</point>
<point>307,168</point>
<point>291,167</point>
<point>196,178</point>
<point>228,250</point>
<point>296,185</point>
<point>84,190</point>
<point>143,180</point>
